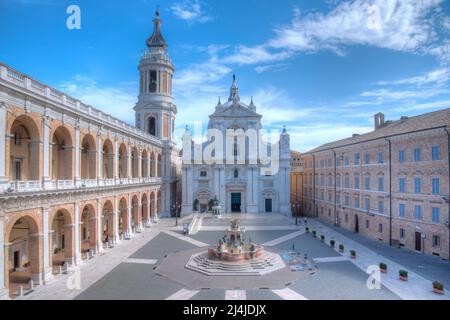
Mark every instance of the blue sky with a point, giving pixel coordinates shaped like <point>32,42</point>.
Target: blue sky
<point>322,68</point>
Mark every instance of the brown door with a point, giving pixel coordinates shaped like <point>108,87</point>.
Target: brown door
<point>418,241</point>
<point>356,224</point>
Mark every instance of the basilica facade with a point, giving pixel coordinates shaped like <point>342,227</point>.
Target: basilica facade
<point>74,181</point>
<point>236,166</point>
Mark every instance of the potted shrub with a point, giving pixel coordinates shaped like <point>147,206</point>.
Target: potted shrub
<point>332,242</point>
<point>353,254</point>
<point>438,287</point>
<point>403,275</point>
<point>383,267</point>
<point>314,233</point>
<point>307,229</point>
<point>322,238</point>
<point>341,248</point>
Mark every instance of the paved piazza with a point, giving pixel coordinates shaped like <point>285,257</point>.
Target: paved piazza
<point>134,271</point>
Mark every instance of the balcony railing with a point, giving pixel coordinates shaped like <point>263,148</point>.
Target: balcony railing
<point>37,185</point>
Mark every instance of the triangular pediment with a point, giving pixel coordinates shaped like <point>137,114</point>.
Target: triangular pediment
<point>234,110</point>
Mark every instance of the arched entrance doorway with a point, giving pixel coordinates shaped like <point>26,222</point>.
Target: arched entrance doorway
<point>108,224</point>
<point>22,250</point>
<point>88,231</point>
<point>108,159</point>
<point>24,150</point>
<point>88,158</point>
<point>356,224</point>
<point>145,215</point>
<point>61,240</point>
<point>152,206</point>
<point>123,156</point>
<point>62,149</point>
<point>135,215</point>
<point>123,218</point>
<point>144,164</point>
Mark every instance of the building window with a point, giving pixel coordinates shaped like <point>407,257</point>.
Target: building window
<point>236,173</point>
<point>380,184</point>
<point>435,153</point>
<point>338,199</point>
<point>402,233</point>
<point>357,182</point>
<point>401,185</point>
<point>346,161</point>
<point>151,126</point>
<point>357,156</point>
<point>356,202</point>
<point>346,200</point>
<point>381,206</point>
<point>235,149</point>
<point>418,212</point>
<point>203,174</point>
<point>367,204</point>
<point>401,210</point>
<point>418,185</point>
<point>347,181</point>
<point>329,212</point>
<point>330,181</point>
<point>367,158</point>
<point>153,81</point>
<point>322,196</point>
<point>367,183</point>
<point>380,157</point>
<point>417,154</point>
<point>338,181</point>
<point>401,156</point>
<point>329,196</point>
<point>380,228</point>
<point>435,185</point>
<point>367,224</point>
<point>435,215</point>
<point>436,241</point>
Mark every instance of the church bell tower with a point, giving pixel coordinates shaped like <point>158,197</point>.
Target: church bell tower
<point>156,109</point>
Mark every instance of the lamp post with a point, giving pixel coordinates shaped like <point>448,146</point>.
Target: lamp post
<point>295,207</point>
<point>176,208</point>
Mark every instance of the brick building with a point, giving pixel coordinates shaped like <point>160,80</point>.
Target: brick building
<point>391,184</point>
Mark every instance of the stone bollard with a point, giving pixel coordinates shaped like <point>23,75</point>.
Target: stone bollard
<point>31,284</point>
<point>20,292</point>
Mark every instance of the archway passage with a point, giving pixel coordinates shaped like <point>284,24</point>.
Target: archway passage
<point>144,164</point>
<point>152,205</point>
<point>108,159</point>
<point>123,217</point>
<point>23,159</point>
<point>61,164</point>
<point>88,230</point>
<point>61,242</point>
<point>123,156</point>
<point>23,254</point>
<point>356,224</point>
<point>108,223</point>
<point>88,158</point>
<point>158,204</point>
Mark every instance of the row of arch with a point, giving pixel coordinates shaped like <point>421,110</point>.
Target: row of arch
<point>25,159</point>
<point>72,237</point>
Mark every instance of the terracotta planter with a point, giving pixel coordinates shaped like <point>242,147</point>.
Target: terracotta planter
<point>403,278</point>
<point>438,291</point>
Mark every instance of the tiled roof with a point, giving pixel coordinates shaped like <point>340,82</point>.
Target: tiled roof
<point>405,125</point>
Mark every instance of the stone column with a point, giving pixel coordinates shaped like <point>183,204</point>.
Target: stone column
<point>140,165</point>
<point>76,236</point>
<point>46,179</point>
<point>148,165</point>
<point>149,214</point>
<point>116,160</point>
<point>223,190</point>
<point>116,222</point>
<point>186,189</point>
<point>256,189</point>
<point>129,231</point>
<point>99,245</point>
<point>139,215</point>
<point>77,154</point>
<point>99,160</point>
<point>4,293</point>
<point>129,165</point>
<point>3,177</point>
<point>48,274</point>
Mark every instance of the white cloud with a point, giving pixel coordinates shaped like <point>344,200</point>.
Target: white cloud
<point>190,11</point>
<point>396,95</point>
<point>401,25</point>
<point>437,76</point>
<point>117,101</point>
<point>424,107</point>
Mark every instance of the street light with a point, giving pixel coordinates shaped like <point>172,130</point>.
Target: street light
<point>176,207</point>
<point>295,206</point>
